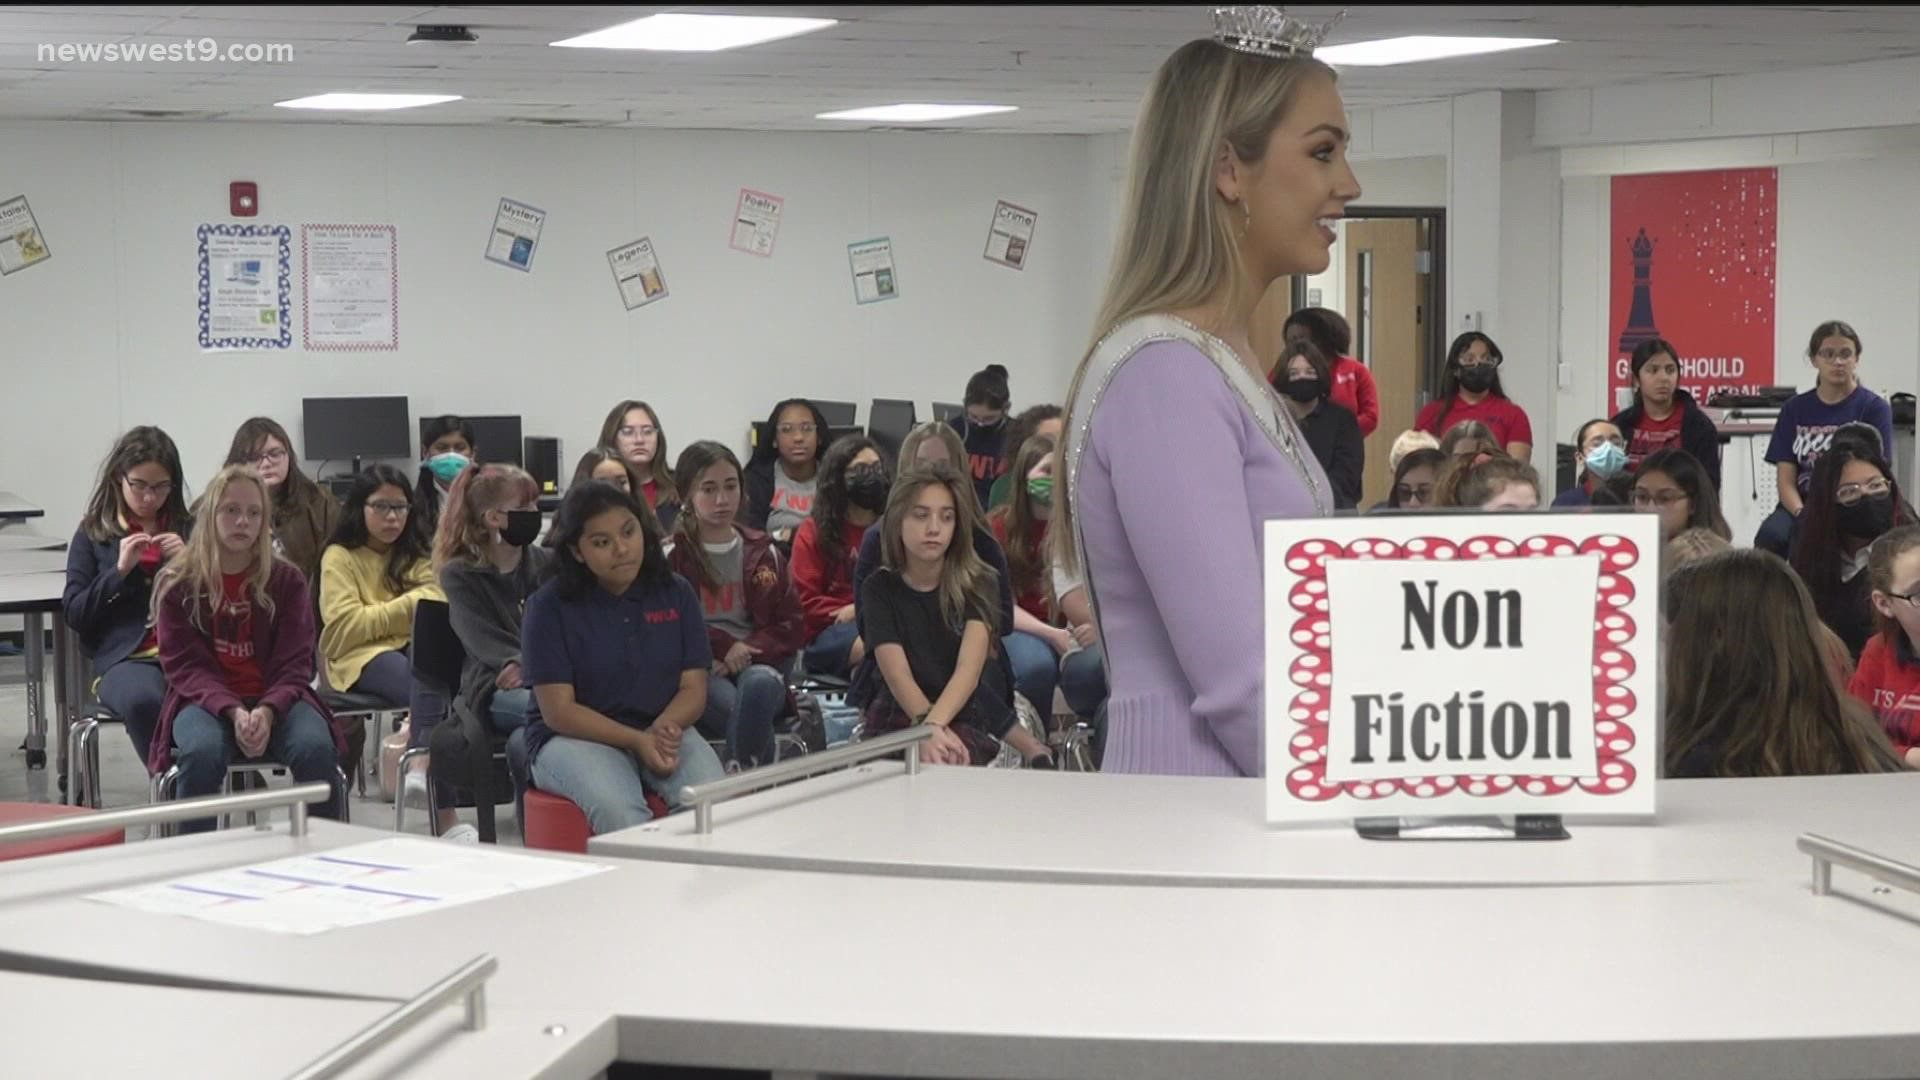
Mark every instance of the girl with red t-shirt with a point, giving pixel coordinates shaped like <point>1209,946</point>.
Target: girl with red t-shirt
<point>1472,391</point>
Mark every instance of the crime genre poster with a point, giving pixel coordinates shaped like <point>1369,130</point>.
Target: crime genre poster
<point>1692,259</point>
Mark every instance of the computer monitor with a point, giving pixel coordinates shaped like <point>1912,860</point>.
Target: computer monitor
<point>838,413</point>
<point>351,428</point>
<point>944,411</point>
<point>888,422</point>
<point>837,432</point>
<point>499,439</point>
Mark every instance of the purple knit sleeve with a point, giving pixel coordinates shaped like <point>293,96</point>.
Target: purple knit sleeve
<point>1174,438</point>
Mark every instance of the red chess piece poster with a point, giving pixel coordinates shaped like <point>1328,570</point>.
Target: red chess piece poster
<point>1692,258</point>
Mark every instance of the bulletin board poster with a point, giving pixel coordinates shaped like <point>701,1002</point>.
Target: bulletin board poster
<point>1010,235</point>
<point>349,288</point>
<point>246,287</point>
<point>516,234</point>
<point>1458,666</point>
<point>637,273</point>
<point>1693,258</point>
<point>756,222</point>
<point>21,242</point>
<point>874,278</point>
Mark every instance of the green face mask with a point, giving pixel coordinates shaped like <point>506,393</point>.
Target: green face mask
<point>1040,489</point>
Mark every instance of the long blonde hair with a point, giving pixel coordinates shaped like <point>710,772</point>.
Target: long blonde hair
<point>969,588</point>
<point>196,566</point>
<point>943,433</point>
<point>1179,242</point>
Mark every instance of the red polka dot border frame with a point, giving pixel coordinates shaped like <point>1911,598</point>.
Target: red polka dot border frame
<point>1614,705</point>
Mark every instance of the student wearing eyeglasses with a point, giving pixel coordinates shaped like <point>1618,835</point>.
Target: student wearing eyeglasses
<point>373,575</point>
<point>633,429</point>
<point>1807,424</point>
<point>1675,485</point>
<point>304,516</point>
<point>1851,501</point>
<point>1888,681</point>
<point>1472,391</point>
<point>783,475</point>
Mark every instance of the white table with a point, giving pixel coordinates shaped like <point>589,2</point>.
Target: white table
<point>69,1026</point>
<point>1013,825</point>
<point>29,588</point>
<point>900,976</point>
<point>14,508</point>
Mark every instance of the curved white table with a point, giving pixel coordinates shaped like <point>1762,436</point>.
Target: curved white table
<point>911,976</point>
<point>1013,825</point>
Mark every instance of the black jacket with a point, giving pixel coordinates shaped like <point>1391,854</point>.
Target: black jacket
<point>1698,436</point>
<point>1334,434</point>
<point>108,612</point>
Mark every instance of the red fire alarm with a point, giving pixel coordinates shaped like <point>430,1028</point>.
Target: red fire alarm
<point>244,197</point>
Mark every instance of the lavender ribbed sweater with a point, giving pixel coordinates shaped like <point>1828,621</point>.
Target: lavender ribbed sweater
<point>1175,484</point>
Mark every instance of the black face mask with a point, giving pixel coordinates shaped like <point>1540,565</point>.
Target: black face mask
<point>523,528</point>
<point>1868,518</point>
<point>1303,390</point>
<point>1476,380</point>
<point>867,488</point>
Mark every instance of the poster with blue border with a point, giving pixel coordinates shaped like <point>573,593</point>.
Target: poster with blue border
<point>246,287</point>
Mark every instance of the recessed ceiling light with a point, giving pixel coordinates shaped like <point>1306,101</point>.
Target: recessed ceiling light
<point>695,33</point>
<point>366,102</point>
<point>1412,50</point>
<point>915,113</point>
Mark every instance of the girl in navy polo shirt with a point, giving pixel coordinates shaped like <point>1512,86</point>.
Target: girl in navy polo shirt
<point>616,651</point>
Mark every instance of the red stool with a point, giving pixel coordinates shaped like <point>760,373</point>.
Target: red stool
<point>556,824</point>
<point>16,813</point>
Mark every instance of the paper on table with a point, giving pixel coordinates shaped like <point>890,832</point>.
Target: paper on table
<point>349,886</point>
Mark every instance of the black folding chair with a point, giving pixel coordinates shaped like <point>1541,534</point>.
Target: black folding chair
<point>467,755</point>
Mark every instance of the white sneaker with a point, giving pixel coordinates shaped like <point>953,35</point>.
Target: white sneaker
<point>462,833</point>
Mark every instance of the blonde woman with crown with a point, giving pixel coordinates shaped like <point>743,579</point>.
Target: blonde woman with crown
<point>1238,173</point>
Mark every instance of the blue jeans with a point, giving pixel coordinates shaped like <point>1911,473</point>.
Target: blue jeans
<point>1036,669</point>
<point>135,690</point>
<point>611,785</point>
<point>509,709</point>
<point>1083,681</point>
<point>743,709</point>
<point>204,745</point>
<point>831,652</point>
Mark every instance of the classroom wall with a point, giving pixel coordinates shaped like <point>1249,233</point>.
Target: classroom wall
<point>102,336</point>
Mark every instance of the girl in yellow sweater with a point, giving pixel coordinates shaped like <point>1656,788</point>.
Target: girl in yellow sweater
<point>375,570</point>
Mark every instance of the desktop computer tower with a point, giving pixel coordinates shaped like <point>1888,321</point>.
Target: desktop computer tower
<point>543,463</point>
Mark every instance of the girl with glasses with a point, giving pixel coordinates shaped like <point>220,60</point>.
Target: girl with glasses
<point>1471,391</point>
<point>303,515</point>
<point>136,520</point>
<point>783,476</point>
<point>1602,453</point>
<point>1888,681</point>
<point>1807,424</point>
<point>1852,501</point>
<point>1675,485</point>
<point>633,429</point>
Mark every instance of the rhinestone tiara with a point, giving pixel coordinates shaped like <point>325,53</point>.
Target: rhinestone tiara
<point>1265,30</point>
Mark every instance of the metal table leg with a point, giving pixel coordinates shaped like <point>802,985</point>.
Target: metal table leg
<point>36,744</point>
<point>68,671</point>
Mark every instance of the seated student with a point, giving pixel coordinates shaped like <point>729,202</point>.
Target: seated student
<point>853,491</point>
<point>1352,384</point>
<point>1808,423</point>
<point>1037,645</point>
<point>983,429</point>
<point>617,655</point>
<point>1603,463</point>
<point>1852,501</point>
<point>1663,416</point>
<point>1305,380</point>
<point>1406,443</point>
<point>931,614</point>
<point>1414,480</point>
<point>633,429</point>
<point>1888,681</point>
<point>447,447</point>
<point>754,622</point>
<point>235,626</point>
<point>372,576</point>
<point>1689,546</point>
<point>1471,391</point>
<point>1469,437</point>
<point>1489,481</point>
<point>606,464</point>
<point>1674,484</point>
<point>1033,420</point>
<point>136,520</point>
<point>1761,702</point>
<point>784,474</point>
<point>304,515</point>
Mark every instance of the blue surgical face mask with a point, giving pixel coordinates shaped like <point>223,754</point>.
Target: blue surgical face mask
<point>1606,460</point>
<point>447,466</point>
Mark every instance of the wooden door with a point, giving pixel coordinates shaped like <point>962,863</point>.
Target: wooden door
<point>1383,307</point>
